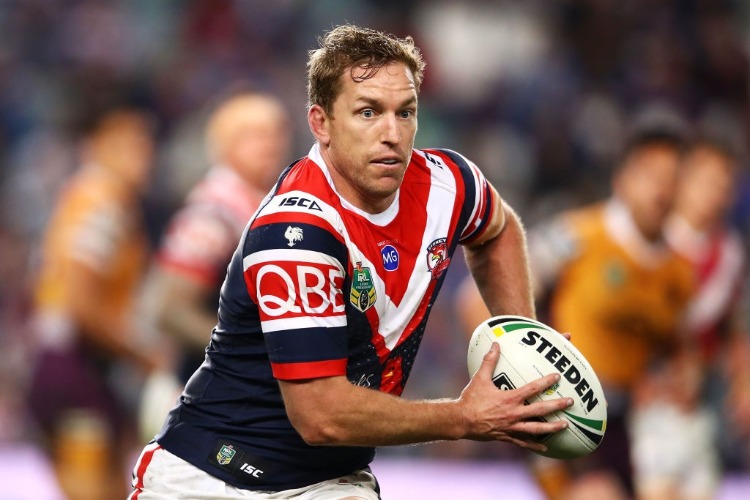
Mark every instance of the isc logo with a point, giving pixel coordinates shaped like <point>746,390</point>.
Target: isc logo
<point>390,257</point>
<point>296,289</point>
<point>298,201</point>
<point>249,469</point>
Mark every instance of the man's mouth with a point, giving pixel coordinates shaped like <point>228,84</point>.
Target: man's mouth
<point>390,161</point>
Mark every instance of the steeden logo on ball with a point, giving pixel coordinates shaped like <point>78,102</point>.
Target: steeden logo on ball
<point>530,350</point>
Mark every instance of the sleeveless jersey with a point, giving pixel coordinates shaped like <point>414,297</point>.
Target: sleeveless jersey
<point>319,288</point>
<point>620,297</point>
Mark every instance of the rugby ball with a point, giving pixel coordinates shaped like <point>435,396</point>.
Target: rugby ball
<point>529,350</point>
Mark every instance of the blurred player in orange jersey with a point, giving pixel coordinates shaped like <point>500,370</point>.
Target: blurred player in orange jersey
<point>618,289</point>
<point>92,261</point>
<point>667,464</point>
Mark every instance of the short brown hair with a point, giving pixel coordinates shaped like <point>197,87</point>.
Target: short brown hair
<point>348,46</point>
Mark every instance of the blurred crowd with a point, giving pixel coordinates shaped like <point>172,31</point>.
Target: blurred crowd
<point>539,93</point>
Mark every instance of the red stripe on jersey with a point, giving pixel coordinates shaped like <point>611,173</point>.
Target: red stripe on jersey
<point>459,200</point>
<point>490,214</point>
<point>308,174</point>
<point>311,369</point>
<point>140,468</point>
<point>297,218</point>
<point>481,206</point>
<point>409,227</point>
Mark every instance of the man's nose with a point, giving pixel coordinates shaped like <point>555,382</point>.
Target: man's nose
<point>391,132</point>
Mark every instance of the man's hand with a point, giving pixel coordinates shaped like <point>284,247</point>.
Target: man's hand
<point>504,415</point>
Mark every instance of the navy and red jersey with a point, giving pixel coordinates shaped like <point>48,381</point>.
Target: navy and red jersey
<point>319,288</point>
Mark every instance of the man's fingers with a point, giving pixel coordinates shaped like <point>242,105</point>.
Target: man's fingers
<point>537,408</point>
<point>489,362</point>
<point>539,426</point>
<point>539,385</point>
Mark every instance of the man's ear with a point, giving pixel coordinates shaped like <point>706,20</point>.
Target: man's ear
<point>319,122</point>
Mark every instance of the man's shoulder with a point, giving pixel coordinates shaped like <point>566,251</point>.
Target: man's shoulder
<point>301,201</point>
<point>440,157</point>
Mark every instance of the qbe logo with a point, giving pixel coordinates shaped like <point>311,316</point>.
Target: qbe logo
<point>390,257</point>
<point>287,288</point>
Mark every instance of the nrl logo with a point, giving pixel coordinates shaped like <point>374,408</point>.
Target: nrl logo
<point>225,455</point>
<point>293,234</point>
<point>362,294</point>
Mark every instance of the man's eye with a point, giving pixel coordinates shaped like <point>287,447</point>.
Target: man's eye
<point>407,113</point>
<point>368,113</point>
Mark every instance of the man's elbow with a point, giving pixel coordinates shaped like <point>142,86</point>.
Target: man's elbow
<point>317,431</point>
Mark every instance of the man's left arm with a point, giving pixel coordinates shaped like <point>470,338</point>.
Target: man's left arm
<point>499,263</point>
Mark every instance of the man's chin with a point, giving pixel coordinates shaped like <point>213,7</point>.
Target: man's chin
<point>385,189</point>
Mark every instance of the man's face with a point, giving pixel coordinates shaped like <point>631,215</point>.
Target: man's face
<point>253,138</point>
<point>126,147</point>
<point>368,137</point>
<point>706,190</point>
<point>646,184</point>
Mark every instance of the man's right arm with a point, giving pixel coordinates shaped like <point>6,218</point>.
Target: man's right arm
<point>332,411</point>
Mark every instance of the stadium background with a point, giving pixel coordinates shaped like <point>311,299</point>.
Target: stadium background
<point>537,92</point>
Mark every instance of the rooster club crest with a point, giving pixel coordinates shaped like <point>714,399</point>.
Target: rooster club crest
<point>293,235</point>
<point>437,257</point>
<point>362,295</point>
<point>225,455</point>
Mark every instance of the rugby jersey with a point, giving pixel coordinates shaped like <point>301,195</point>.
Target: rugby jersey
<point>319,288</point>
<point>621,297</point>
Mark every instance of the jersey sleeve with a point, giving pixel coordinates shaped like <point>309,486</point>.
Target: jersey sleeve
<point>295,267</point>
<point>480,200</point>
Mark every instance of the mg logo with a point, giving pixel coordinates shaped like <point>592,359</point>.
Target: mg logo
<point>390,257</point>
